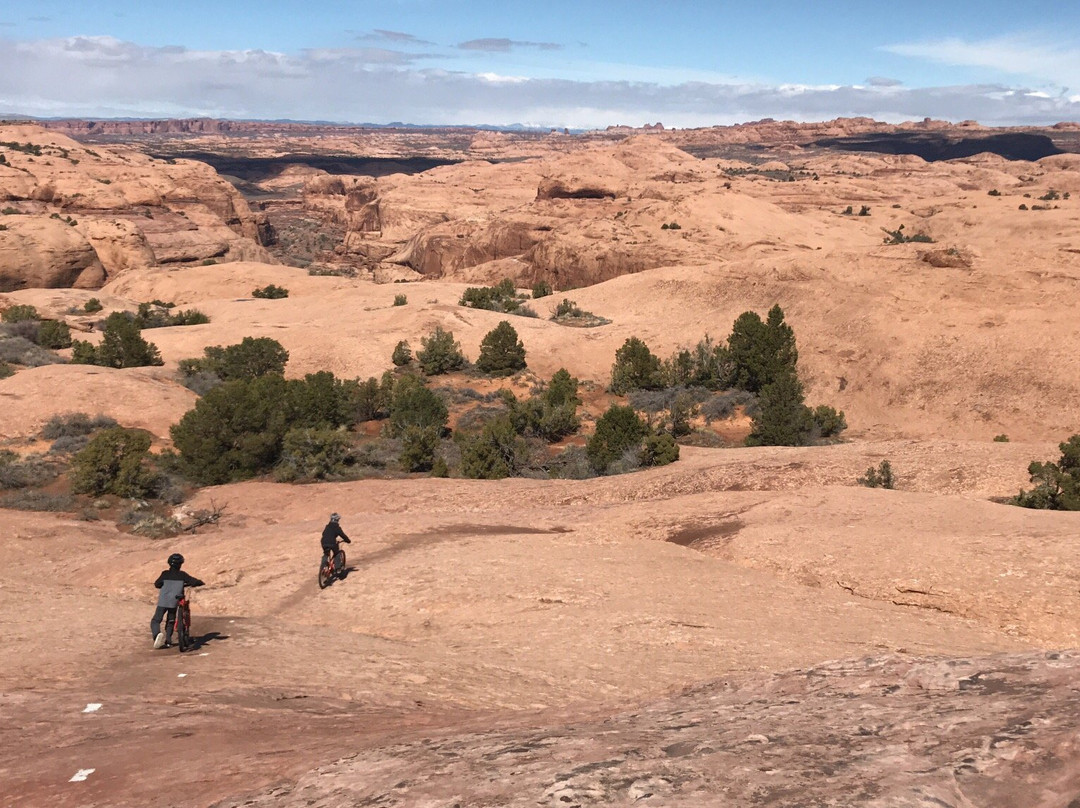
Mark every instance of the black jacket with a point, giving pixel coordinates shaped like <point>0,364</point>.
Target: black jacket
<point>331,533</point>
<point>171,583</point>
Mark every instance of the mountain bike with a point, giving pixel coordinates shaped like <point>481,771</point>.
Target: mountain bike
<point>183,624</point>
<point>331,568</point>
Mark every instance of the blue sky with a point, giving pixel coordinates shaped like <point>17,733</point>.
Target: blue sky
<point>554,63</point>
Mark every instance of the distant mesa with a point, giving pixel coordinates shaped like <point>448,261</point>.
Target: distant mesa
<point>940,146</point>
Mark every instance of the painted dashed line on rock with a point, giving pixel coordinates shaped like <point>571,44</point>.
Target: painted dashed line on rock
<point>92,707</point>
<point>81,775</point>
<point>181,675</point>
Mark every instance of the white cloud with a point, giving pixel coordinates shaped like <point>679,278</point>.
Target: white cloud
<point>1052,62</point>
<point>106,77</point>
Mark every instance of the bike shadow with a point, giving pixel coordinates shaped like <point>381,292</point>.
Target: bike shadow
<point>345,572</point>
<point>203,639</point>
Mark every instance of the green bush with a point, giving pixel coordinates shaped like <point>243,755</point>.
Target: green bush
<point>440,353</point>
<point>1001,438</point>
<point>92,305</point>
<point>635,368</point>
<point>501,352</point>
<point>418,447</point>
<point>541,289</point>
<point>6,370</point>
<point>53,334</point>
<point>617,430</point>
<point>122,346</point>
<point>880,477</point>
<point>114,462</point>
<point>18,314</point>
<point>250,358</point>
<point>29,472</point>
<point>415,405</point>
<point>760,352</point>
<point>898,236</point>
<point>270,292</point>
<point>402,354</point>
<point>782,418</point>
<point>567,308</point>
<point>158,314</point>
<point>502,297</point>
<point>493,454</point>
<point>400,300</point>
<point>828,423</point>
<point>1057,485</point>
<point>309,453</point>
<point>658,450</point>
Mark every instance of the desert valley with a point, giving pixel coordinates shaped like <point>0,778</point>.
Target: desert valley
<point>526,620</point>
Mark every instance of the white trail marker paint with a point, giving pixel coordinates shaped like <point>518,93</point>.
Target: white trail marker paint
<point>81,775</point>
<point>93,707</point>
<point>181,675</point>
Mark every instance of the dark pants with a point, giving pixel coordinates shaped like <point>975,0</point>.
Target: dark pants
<point>155,621</point>
<point>327,554</point>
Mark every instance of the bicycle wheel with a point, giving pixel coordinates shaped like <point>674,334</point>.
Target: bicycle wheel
<point>183,627</point>
<point>339,563</point>
<point>325,574</point>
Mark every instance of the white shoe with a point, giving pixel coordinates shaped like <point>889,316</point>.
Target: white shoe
<point>159,640</point>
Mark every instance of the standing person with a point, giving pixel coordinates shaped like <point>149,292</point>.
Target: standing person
<point>330,534</point>
<point>171,582</point>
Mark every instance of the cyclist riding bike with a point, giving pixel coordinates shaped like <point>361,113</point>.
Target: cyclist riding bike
<point>171,582</point>
<point>330,535</point>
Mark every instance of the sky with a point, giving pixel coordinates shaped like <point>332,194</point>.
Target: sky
<point>582,64</point>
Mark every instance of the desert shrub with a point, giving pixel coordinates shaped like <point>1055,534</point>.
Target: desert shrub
<point>237,429</point>
<point>122,346</point>
<point>22,351</point>
<point>415,405</point>
<point>502,297</point>
<point>159,314</point>
<point>707,365</point>
<point>760,352</point>
<point>501,352</point>
<point>494,453</point>
<point>635,367</point>
<point>993,192</point>
<point>782,418</point>
<point>20,313</point>
<point>441,353</point>
<point>418,447</point>
<point>898,236</point>
<point>617,430</point>
<point>6,370</point>
<point>671,226</point>
<point>402,354</point>
<point>880,477</point>
<point>69,444</point>
<point>1057,485</point>
<point>1001,438</point>
<point>864,210</point>
<point>1023,206</point>
<point>53,334</point>
<point>400,300</point>
<point>114,462</point>
<point>541,289</point>
<point>250,358</point>
<point>312,454</point>
<point>566,308</point>
<point>722,405</point>
<point>828,423</point>
<point>848,211</point>
<point>658,450</point>
<point>368,400</point>
<point>29,472</point>
<point>572,463</point>
<point>74,424</point>
<point>679,414</point>
<point>38,501</point>
<point>92,305</point>
<point>440,468</point>
<point>270,292</point>
<point>1050,196</point>
<point>562,390</point>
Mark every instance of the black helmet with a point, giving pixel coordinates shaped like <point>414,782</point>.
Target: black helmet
<point>176,560</point>
<point>334,517</point>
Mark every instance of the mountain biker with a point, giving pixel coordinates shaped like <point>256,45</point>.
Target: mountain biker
<point>330,534</point>
<point>171,582</point>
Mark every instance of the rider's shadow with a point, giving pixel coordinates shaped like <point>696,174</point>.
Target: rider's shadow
<point>345,572</point>
<point>203,639</point>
